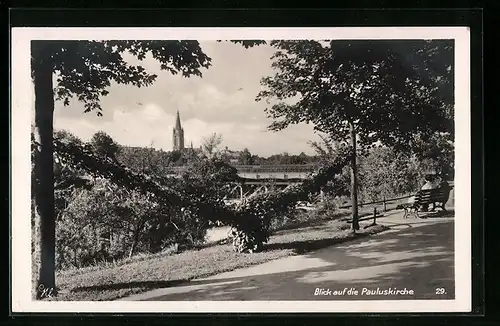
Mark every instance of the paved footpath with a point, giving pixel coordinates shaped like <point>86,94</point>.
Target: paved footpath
<point>416,254</point>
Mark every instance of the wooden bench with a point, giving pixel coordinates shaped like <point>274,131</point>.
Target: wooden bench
<point>437,197</point>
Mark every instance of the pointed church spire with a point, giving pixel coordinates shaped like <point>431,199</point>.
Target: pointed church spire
<point>178,134</point>
<point>178,122</point>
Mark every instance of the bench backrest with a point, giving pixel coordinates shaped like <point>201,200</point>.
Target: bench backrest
<point>429,196</point>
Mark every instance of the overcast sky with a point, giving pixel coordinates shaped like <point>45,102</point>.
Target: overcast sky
<point>222,101</point>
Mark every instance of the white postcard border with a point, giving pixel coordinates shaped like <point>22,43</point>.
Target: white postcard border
<point>21,112</point>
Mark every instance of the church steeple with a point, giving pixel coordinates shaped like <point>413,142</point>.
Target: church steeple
<point>178,122</point>
<point>178,134</point>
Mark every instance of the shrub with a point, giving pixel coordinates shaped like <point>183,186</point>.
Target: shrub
<point>255,216</point>
<point>109,222</point>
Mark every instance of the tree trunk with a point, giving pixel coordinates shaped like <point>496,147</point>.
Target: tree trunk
<point>44,173</point>
<point>135,239</point>
<point>354,180</point>
<point>133,246</point>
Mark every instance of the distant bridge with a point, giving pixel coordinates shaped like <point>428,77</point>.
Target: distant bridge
<point>275,174</point>
<point>255,179</point>
<point>284,174</point>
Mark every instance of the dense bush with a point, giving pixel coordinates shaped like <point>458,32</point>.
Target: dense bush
<point>330,204</point>
<point>94,217</point>
<point>256,215</point>
<point>386,173</point>
<point>111,222</point>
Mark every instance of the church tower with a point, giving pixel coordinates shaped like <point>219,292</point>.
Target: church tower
<point>178,135</point>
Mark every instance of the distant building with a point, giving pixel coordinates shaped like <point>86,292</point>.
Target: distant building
<point>178,135</point>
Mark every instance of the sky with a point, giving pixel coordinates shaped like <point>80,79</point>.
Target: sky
<point>222,101</point>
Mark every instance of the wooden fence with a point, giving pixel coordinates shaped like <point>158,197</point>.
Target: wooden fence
<point>384,202</point>
<point>380,206</point>
<point>384,205</point>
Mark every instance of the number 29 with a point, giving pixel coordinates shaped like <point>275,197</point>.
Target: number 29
<point>440,291</point>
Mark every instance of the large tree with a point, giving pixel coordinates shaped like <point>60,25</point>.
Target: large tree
<point>245,157</point>
<point>103,144</point>
<point>85,70</point>
<point>210,145</point>
<point>363,92</point>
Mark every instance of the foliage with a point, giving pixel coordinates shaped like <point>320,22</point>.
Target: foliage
<point>66,179</point>
<point>148,160</point>
<point>66,136</point>
<point>389,90</point>
<point>103,144</point>
<point>86,68</point>
<point>135,210</point>
<point>245,157</point>
<point>206,183</point>
<point>385,173</point>
<point>257,213</point>
<point>210,145</point>
<point>110,222</point>
<point>367,92</point>
<point>438,152</point>
<point>247,43</point>
<point>326,150</point>
<point>198,194</point>
<point>160,211</point>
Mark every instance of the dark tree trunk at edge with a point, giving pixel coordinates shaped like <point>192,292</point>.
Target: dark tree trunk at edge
<point>44,172</point>
<point>354,181</point>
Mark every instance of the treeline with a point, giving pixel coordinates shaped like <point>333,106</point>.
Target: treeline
<point>145,158</point>
<point>247,158</point>
<point>384,172</point>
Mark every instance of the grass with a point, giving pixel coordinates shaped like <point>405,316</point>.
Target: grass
<point>139,274</point>
<point>299,221</point>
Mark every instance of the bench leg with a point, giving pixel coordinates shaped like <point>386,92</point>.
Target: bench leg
<point>442,206</point>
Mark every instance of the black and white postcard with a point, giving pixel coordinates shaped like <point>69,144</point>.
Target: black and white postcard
<point>241,170</point>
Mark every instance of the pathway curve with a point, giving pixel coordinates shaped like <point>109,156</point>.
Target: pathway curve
<point>416,255</point>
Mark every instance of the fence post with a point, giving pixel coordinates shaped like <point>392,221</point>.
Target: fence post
<point>374,215</point>
<point>385,207</point>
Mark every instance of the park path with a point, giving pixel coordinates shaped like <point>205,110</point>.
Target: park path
<point>416,254</point>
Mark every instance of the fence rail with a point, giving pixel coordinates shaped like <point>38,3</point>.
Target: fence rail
<point>383,201</point>
<point>390,200</point>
